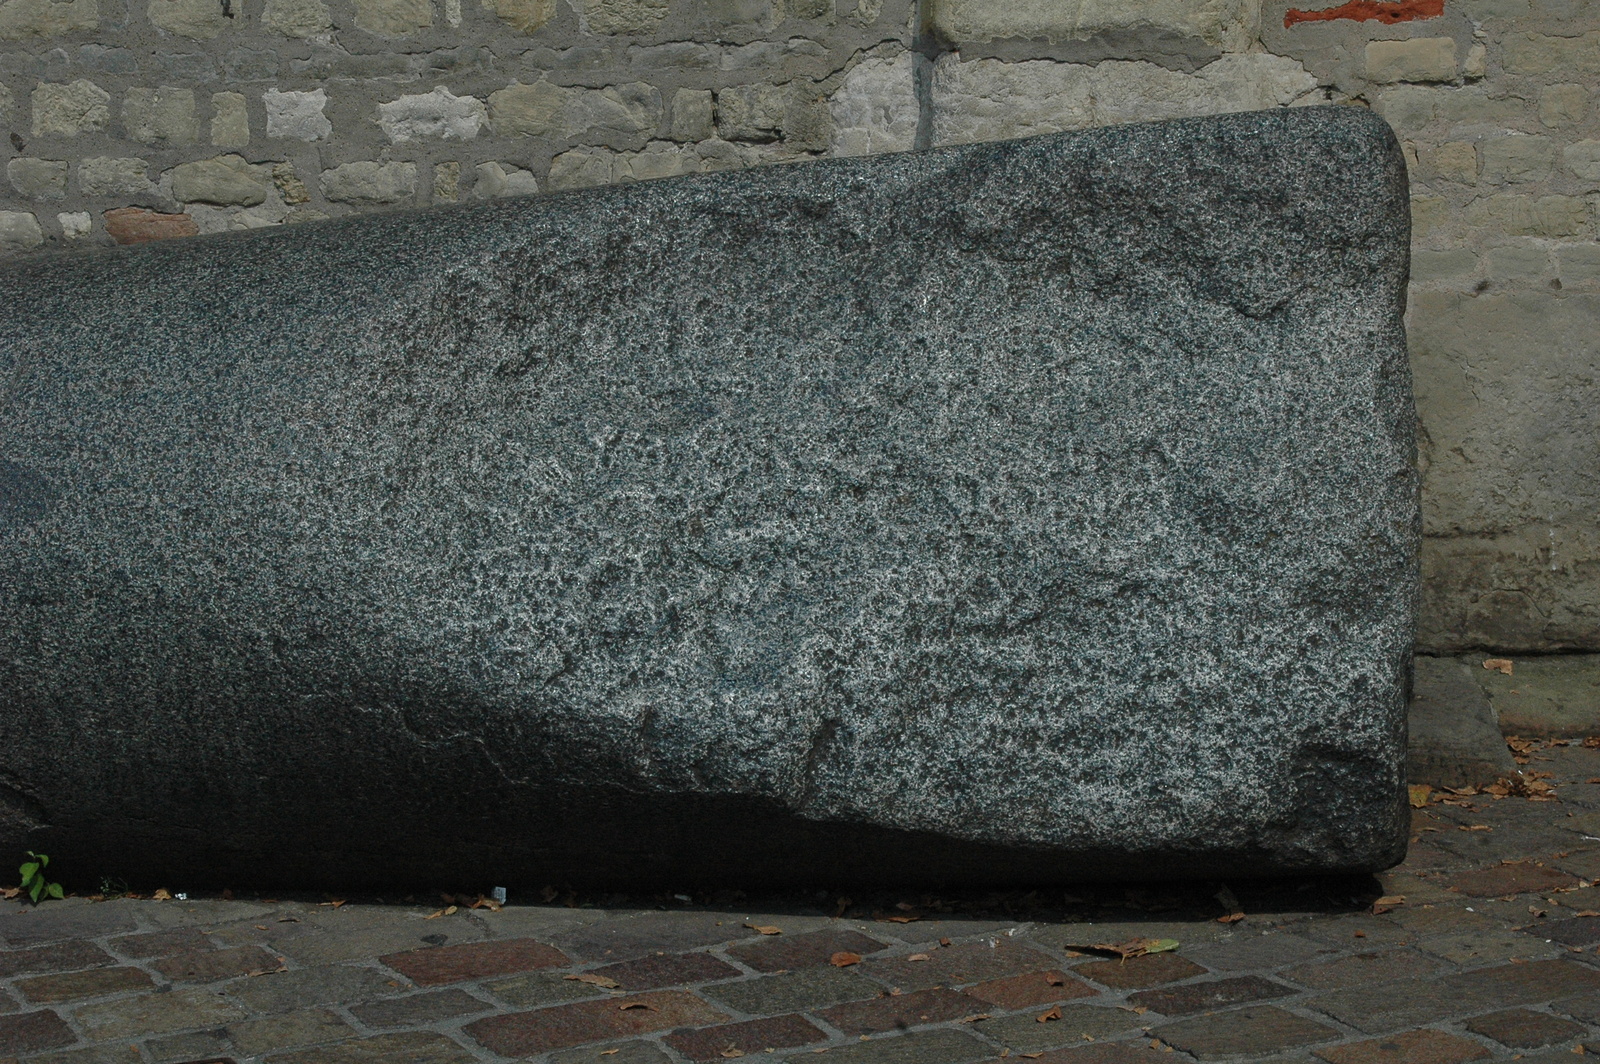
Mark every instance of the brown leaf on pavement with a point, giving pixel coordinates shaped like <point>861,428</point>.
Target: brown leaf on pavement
<point>765,929</point>
<point>1387,904</point>
<point>1047,1017</point>
<point>1498,665</point>
<point>844,959</point>
<point>594,980</point>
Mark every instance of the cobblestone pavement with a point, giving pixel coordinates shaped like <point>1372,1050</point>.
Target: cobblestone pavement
<point>1485,945</point>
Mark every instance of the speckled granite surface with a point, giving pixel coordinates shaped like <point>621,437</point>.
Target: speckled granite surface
<point>1030,511</point>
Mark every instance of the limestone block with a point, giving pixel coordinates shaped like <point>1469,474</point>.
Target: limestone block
<point>1429,214</point>
<point>1455,264</point>
<point>135,225</point>
<point>102,176</point>
<point>68,110</point>
<point>297,115</point>
<point>581,168</point>
<point>692,114</point>
<point>1408,108</point>
<point>439,114</point>
<point>1415,59</point>
<point>75,225</point>
<point>721,16</point>
<point>1561,106</point>
<point>22,19</point>
<point>199,20</point>
<point>298,18</point>
<point>659,159</point>
<point>446,182</point>
<point>752,112</point>
<point>1473,105</point>
<point>1578,262</point>
<point>230,120</point>
<point>19,231</point>
<point>630,108</point>
<point>796,524</point>
<point>527,110</point>
<point>161,116</point>
<point>1518,262</point>
<point>394,18</point>
<point>1518,159</point>
<point>524,16</point>
<point>1583,160</point>
<point>989,98</point>
<point>38,179</point>
<point>370,182</point>
<point>1476,64</point>
<point>623,16</point>
<point>499,180</point>
<point>874,110</point>
<point>1229,24</point>
<point>8,103</point>
<point>1529,215</point>
<point>1454,161</point>
<point>1536,53</point>
<point>289,186</point>
<point>226,180</point>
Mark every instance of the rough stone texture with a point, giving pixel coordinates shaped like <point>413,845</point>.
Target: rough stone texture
<point>1455,739</point>
<point>1218,22</point>
<point>946,512</point>
<point>67,110</point>
<point>297,115</point>
<point>439,113</point>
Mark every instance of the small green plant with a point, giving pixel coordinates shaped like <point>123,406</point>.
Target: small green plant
<point>33,882</point>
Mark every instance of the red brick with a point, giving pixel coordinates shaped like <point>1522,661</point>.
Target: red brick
<point>1516,877</point>
<point>1364,969</point>
<point>134,225</point>
<point>1104,1053</point>
<point>475,960</point>
<point>206,967</point>
<point>1140,973</point>
<point>61,957</point>
<point>33,1031</point>
<point>522,1034</point>
<point>70,986</point>
<point>161,943</point>
<point>1202,997</point>
<point>1523,984</point>
<point>653,973</point>
<point>1254,1032</point>
<point>783,952</point>
<point>1031,988</point>
<point>958,965</point>
<point>894,1012</point>
<point>1411,1047</point>
<point>752,1036</point>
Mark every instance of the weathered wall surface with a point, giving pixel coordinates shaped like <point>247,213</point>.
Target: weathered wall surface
<point>138,119</point>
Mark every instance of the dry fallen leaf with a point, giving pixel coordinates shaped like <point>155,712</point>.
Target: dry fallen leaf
<point>1586,912</point>
<point>919,957</point>
<point>1473,827</point>
<point>944,942</point>
<point>162,894</point>
<point>1047,1017</point>
<point>10,892</point>
<point>765,929</point>
<point>1592,742</point>
<point>1052,979</point>
<point>335,903</point>
<point>434,915</point>
<point>594,980</point>
<point>609,1052</point>
<point>637,1005</point>
<point>1498,665</point>
<point>844,959</point>
<point>975,1017</point>
<point>731,1052</point>
<point>1134,947</point>
<point>1231,918</point>
<point>1419,794</point>
<point>486,903</point>
<point>1387,904</point>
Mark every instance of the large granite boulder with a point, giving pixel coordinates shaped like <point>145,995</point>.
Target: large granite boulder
<point>1032,511</point>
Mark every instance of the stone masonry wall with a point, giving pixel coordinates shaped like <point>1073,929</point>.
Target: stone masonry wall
<point>130,120</point>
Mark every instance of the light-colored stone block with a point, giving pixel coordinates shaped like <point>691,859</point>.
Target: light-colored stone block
<point>499,180</point>
<point>1578,262</point>
<point>1528,215</point>
<point>659,159</point>
<point>161,117</point>
<point>1583,159</point>
<point>297,115</point>
<point>394,18</point>
<point>1518,262</point>
<point>22,19</point>
<point>230,120</point>
<point>634,107</point>
<point>526,110</point>
<point>1476,105</point>
<point>1455,161</point>
<point>370,182</point>
<point>446,182</point>
<point>1517,159</point>
<point>224,181</point>
<point>1429,215</point>
<point>290,187</point>
<point>102,176</point>
<point>75,224</point>
<point>19,231</point>
<point>874,109</point>
<point>581,168</point>
<point>1408,108</point>
<point>623,16</point>
<point>1230,24</point>
<point>38,179</point>
<point>71,109</point>
<point>692,114</point>
<point>524,16</point>
<point>308,19</point>
<point>1416,59</point>
<point>1537,53</point>
<point>198,20</point>
<point>439,114</point>
<point>1452,265</point>
<point>1561,106</point>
